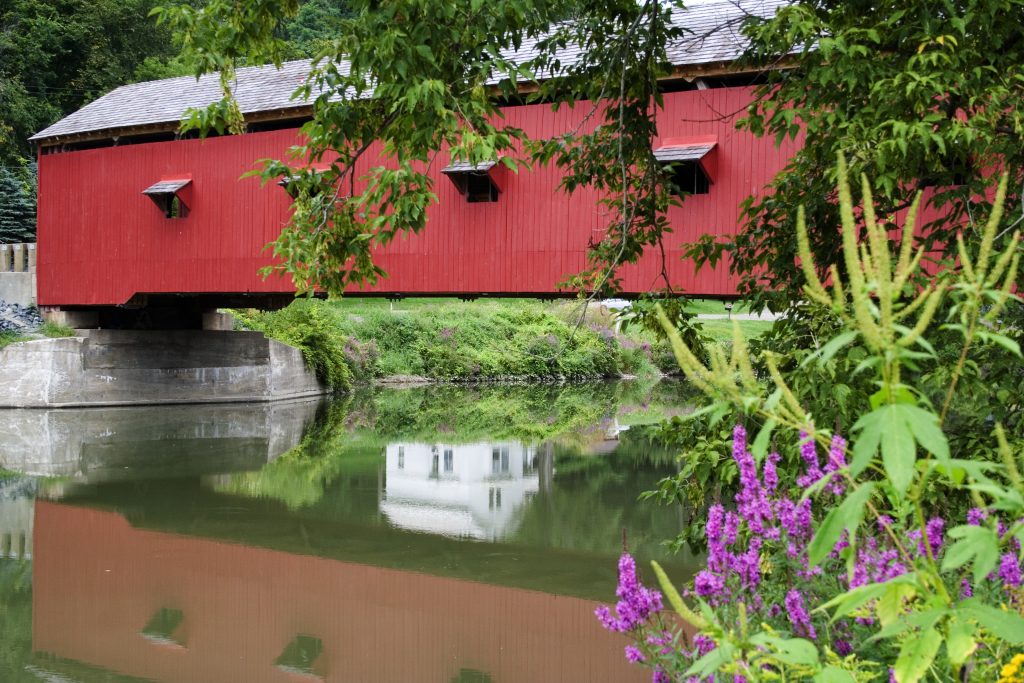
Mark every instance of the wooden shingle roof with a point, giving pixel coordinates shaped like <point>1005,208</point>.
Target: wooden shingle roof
<point>713,36</point>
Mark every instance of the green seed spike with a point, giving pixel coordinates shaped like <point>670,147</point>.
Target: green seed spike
<point>922,297</point>
<point>676,600</point>
<point>780,383</point>
<point>741,360</point>
<point>1004,259</point>
<point>878,239</point>
<point>1004,291</point>
<point>991,227</point>
<point>1008,458</point>
<point>838,294</point>
<point>927,313</point>
<point>853,265</point>
<point>812,287</point>
<point>965,258</point>
<point>688,363</point>
<point>903,266</point>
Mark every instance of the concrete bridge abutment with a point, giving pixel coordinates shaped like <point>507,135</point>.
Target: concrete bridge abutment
<point>137,367</point>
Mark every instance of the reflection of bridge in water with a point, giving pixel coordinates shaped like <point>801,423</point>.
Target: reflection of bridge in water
<point>171,608</point>
<point>150,567</point>
<point>105,444</point>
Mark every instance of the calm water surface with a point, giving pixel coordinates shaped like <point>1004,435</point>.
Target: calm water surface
<point>439,534</point>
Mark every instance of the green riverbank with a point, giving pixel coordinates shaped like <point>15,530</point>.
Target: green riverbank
<point>362,340</point>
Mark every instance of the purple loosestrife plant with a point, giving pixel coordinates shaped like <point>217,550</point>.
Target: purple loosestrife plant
<point>757,569</point>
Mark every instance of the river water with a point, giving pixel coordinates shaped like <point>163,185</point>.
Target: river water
<point>436,534</point>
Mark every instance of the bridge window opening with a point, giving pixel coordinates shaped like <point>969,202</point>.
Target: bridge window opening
<point>165,627</point>
<point>449,460</point>
<point>688,178</point>
<point>473,181</point>
<point>686,165</point>
<point>166,194</point>
<point>300,656</point>
<point>401,457</point>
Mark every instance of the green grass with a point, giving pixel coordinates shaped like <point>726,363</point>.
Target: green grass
<point>721,330</point>
<point>715,307</point>
<point>47,329</point>
<point>50,329</point>
<point>8,338</point>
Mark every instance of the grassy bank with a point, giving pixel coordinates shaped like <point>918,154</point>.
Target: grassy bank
<point>47,329</point>
<point>356,340</point>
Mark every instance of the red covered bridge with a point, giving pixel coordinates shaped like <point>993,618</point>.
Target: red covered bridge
<point>131,215</point>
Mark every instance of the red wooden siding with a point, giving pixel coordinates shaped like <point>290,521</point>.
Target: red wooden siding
<point>101,241</point>
<point>97,581</point>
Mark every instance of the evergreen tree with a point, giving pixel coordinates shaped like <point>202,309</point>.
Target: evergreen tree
<point>17,208</point>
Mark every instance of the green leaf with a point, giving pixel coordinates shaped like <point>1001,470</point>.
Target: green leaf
<point>890,606</point>
<point>712,661</point>
<point>846,517</point>
<point>898,452</point>
<point>926,430</point>
<point>833,674</point>
<point>761,443</point>
<point>852,599</point>
<point>960,641</point>
<point>916,655</point>
<point>829,350</point>
<point>897,429</point>
<point>1008,626</point>
<point>793,651</point>
<point>977,543</point>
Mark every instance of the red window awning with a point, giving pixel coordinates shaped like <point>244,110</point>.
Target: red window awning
<point>700,150</point>
<point>466,167</point>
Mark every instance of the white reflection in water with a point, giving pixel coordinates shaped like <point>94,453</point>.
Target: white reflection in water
<point>470,490</point>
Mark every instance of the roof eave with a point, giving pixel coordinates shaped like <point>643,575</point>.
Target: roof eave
<point>42,140</point>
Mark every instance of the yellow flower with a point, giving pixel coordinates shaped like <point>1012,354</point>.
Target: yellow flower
<point>1011,671</point>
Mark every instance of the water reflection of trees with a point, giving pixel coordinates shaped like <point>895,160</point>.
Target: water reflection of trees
<point>588,486</point>
<point>15,620</point>
<point>592,499</point>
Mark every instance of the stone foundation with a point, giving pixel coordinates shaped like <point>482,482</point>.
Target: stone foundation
<point>127,367</point>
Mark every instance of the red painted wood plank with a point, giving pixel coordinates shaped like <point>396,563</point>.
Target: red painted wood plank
<point>101,241</point>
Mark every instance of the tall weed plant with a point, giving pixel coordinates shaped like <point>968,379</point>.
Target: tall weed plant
<point>848,567</point>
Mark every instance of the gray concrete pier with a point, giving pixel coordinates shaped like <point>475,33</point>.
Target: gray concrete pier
<point>129,367</point>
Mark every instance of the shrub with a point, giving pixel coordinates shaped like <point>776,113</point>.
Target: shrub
<point>307,327</point>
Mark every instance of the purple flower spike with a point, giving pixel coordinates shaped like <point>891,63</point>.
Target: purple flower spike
<point>975,516</point>
<point>636,603</point>
<point>934,530</point>
<point>799,616</point>
<point>1009,570</point>
<point>836,462</point>
<point>771,474</point>
<point>633,654</point>
<point>810,455</point>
